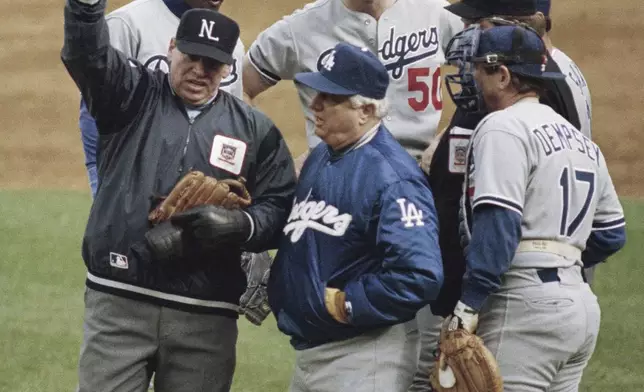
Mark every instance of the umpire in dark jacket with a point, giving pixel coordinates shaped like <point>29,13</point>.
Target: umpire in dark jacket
<point>174,314</point>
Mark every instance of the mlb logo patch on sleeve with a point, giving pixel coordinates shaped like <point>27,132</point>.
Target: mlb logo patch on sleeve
<point>228,154</point>
<point>118,261</point>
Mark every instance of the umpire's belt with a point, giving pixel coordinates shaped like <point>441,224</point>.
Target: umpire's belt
<point>554,247</point>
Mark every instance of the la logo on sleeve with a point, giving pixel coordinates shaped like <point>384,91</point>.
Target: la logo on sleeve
<point>228,154</point>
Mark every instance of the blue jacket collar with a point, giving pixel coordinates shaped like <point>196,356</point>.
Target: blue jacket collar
<point>178,7</point>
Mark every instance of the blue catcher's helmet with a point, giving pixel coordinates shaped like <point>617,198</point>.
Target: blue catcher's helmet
<point>460,50</point>
<point>517,47</point>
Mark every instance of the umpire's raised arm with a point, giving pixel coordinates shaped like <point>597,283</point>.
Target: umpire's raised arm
<point>105,77</point>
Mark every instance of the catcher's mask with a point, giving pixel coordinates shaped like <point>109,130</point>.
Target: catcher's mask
<point>518,47</point>
<point>460,50</point>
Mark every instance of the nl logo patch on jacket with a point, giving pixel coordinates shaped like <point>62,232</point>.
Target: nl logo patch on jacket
<point>228,154</point>
<point>315,215</point>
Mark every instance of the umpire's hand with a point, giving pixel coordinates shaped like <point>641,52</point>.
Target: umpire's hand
<point>213,226</point>
<point>165,242</point>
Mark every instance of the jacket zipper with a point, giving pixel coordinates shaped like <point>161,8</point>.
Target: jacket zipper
<point>185,146</point>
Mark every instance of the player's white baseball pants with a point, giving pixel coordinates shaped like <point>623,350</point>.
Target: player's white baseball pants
<point>383,360</point>
<point>542,327</point>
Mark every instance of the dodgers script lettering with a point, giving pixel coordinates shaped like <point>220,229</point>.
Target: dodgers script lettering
<point>316,215</point>
<point>409,48</point>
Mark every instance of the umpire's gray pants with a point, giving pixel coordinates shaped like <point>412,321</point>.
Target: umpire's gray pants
<point>383,360</point>
<point>429,329</point>
<point>125,341</point>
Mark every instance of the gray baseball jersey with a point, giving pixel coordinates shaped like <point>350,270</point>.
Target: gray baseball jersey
<point>409,38</point>
<point>578,87</point>
<point>529,159</point>
<point>142,30</point>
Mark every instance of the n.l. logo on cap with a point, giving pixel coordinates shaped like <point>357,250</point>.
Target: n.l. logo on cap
<point>206,27</point>
<point>329,61</point>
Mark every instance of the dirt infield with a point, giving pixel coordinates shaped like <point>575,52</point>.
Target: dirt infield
<point>40,141</point>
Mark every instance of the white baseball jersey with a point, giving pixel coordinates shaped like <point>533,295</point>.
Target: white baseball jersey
<point>529,159</point>
<point>409,38</point>
<point>578,87</point>
<point>142,30</point>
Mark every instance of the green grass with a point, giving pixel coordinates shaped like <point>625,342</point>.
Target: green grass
<point>42,280</point>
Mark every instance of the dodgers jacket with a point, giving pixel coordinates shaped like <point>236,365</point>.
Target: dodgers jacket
<point>362,221</point>
<point>148,142</point>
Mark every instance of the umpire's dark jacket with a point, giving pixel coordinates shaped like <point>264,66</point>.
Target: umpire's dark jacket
<point>147,143</point>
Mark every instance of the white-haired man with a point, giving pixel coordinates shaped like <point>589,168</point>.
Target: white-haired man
<point>360,253</point>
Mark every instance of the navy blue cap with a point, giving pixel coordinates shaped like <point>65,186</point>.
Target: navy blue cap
<point>207,33</point>
<point>543,6</point>
<point>518,48</point>
<point>348,70</point>
<point>479,9</point>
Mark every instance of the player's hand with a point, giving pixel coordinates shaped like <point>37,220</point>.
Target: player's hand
<point>428,154</point>
<point>463,317</point>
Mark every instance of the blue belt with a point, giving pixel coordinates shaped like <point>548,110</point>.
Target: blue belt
<point>548,275</point>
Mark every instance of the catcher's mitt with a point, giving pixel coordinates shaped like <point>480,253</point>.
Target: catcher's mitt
<point>196,189</point>
<point>254,302</point>
<point>465,365</point>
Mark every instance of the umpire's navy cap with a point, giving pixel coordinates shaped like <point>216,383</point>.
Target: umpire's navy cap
<point>518,48</point>
<point>479,9</point>
<point>348,70</point>
<point>207,33</point>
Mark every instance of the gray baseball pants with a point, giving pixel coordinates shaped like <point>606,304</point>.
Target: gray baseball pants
<point>590,274</point>
<point>429,329</point>
<point>383,360</point>
<point>542,327</point>
<point>126,340</point>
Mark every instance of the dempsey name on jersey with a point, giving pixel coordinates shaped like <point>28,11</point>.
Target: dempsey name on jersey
<point>556,137</point>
